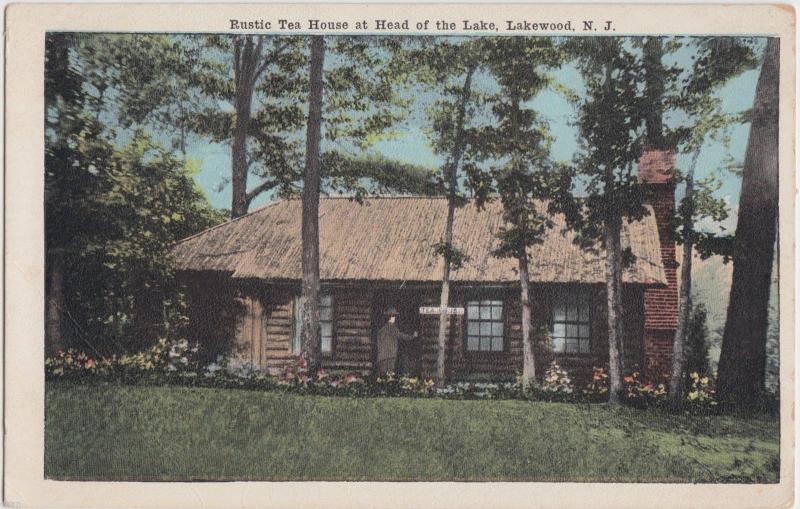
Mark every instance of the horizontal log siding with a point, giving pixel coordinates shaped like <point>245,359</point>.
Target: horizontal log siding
<point>352,330</point>
<point>262,335</point>
<point>264,329</point>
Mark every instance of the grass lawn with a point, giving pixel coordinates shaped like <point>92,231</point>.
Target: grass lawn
<point>112,432</point>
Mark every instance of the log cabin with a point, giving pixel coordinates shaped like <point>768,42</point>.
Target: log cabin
<point>242,282</point>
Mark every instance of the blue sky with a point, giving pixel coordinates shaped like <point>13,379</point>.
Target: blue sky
<point>410,143</point>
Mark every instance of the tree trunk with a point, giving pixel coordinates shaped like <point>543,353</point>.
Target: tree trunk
<point>528,358</point>
<point>55,302</point>
<point>685,298</point>
<point>310,228</point>
<point>245,61</point>
<point>613,243</point>
<point>444,301</point>
<point>653,52</point>
<point>743,357</point>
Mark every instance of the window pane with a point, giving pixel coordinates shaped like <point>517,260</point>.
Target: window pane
<point>486,328</point>
<point>583,331</point>
<point>559,330</point>
<point>558,344</point>
<point>472,328</point>
<point>558,313</point>
<point>325,343</point>
<point>473,343</point>
<point>297,326</point>
<point>497,312</point>
<point>572,313</point>
<point>325,300</point>
<point>497,329</point>
<point>584,345</point>
<point>584,312</point>
<point>326,329</point>
<point>486,313</point>
<point>326,313</point>
<point>472,309</point>
<point>497,344</point>
<point>486,344</point>
<point>572,346</point>
<point>572,331</point>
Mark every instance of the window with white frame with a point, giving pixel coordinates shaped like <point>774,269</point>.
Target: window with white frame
<point>325,324</point>
<point>571,322</point>
<point>485,326</point>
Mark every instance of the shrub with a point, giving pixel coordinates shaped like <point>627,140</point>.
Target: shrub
<point>597,388</point>
<point>701,391</point>
<point>639,393</point>
<point>73,363</point>
<point>556,380</point>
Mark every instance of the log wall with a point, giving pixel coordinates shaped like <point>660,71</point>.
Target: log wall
<point>264,327</point>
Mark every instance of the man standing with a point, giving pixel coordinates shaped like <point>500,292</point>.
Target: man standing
<point>391,342</point>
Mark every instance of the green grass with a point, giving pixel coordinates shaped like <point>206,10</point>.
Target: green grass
<point>113,432</point>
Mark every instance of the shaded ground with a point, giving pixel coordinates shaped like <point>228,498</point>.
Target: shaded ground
<point>112,432</point>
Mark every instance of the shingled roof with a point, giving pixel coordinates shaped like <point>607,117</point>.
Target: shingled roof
<point>392,238</point>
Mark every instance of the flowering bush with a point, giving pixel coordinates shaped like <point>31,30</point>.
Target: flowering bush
<point>176,362</point>
<point>398,385</point>
<point>639,393</point>
<point>701,393</point>
<point>161,358</point>
<point>73,363</point>
<point>469,390</point>
<point>556,380</point>
<point>597,388</point>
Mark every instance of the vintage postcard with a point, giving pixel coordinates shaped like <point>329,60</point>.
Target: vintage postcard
<point>392,255</point>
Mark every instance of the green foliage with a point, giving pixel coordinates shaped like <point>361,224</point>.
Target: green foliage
<point>697,342</point>
<point>452,255</point>
<point>611,120</point>
<point>692,98</point>
<point>185,86</point>
<point>375,174</point>
<point>111,214</point>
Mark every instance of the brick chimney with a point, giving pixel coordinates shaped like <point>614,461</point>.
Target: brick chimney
<point>660,304</point>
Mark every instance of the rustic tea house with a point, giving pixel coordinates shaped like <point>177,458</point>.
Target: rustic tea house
<point>244,278</point>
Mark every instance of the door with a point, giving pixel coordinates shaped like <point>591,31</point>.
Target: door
<point>407,303</point>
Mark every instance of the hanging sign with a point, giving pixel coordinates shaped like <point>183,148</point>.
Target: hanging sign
<point>434,310</point>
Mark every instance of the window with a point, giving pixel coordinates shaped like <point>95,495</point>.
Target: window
<point>485,326</point>
<point>325,324</point>
<point>571,321</point>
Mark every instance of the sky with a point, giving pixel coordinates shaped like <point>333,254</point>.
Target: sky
<point>410,143</point>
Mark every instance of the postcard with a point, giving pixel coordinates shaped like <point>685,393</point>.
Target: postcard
<point>399,255</point>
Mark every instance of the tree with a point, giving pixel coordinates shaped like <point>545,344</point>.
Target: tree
<point>250,60</point>
<point>452,258</point>
<point>611,120</point>
<point>526,179</point>
<point>743,356</point>
<point>248,91</point>
<point>311,186</point>
<point>111,214</point>
<point>716,61</point>
<point>448,69</point>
